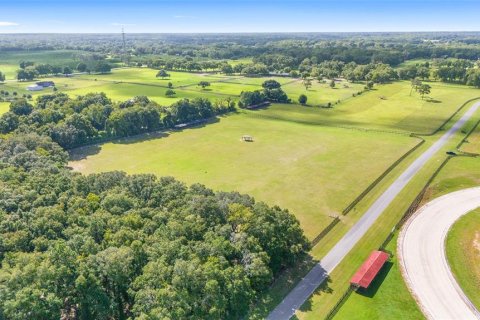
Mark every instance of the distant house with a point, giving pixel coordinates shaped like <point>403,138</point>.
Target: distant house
<point>46,84</point>
<point>34,87</point>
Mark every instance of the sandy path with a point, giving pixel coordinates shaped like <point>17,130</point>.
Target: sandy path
<point>424,265</point>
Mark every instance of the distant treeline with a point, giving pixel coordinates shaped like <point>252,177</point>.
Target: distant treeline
<point>72,122</point>
<point>361,48</point>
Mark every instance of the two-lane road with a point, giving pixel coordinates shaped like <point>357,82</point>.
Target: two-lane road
<point>305,288</point>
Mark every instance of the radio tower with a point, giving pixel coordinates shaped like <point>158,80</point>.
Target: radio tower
<point>124,47</point>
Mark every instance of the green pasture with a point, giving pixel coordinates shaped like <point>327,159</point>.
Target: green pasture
<point>147,75</point>
<point>234,62</point>
<point>413,62</point>
<point>320,93</point>
<point>472,144</point>
<point>391,107</point>
<point>311,170</point>
<point>463,253</point>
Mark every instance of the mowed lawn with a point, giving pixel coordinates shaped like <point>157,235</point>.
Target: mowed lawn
<point>313,171</point>
<point>463,253</point>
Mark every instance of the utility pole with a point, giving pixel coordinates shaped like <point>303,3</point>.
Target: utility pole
<point>124,53</point>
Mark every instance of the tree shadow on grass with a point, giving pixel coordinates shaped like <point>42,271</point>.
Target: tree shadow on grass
<point>199,125</point>
<point>82,153</point>
<point>433,100</point>
<point>141,137</point>
<point>263,107</point>
<point>377,282</point>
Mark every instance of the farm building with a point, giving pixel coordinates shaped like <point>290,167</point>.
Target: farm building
<point>247,138</point>
<point>369,269</point>
<point>34,87</point>
<point>46,84</point>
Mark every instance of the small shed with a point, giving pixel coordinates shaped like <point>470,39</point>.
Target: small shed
<point>247,138</point>
<point>369,269</point>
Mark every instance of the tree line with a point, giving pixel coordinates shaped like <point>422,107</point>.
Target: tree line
<point>72,122</point>
<point>29,70</point>
<point>113,246</point>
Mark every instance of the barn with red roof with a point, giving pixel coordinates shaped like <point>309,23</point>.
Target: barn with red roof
<point>369,269</point>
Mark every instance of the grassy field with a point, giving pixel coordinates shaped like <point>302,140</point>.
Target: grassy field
<point>389,107</point>
<point>413,62</point>
<point>398,111</point>
<point>4,107</point>
<point>472,144</point>
<point>459,173</point>
<point>321,93</point>
<point>9,60</point>
<point>314,171</point>
<point>463,253</point>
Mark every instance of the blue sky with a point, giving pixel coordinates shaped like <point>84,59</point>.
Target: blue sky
<point>171,16</point>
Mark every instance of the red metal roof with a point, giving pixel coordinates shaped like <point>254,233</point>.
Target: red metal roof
<point>369,269</point>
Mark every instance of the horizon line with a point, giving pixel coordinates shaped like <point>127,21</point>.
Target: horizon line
<point>252,32</point>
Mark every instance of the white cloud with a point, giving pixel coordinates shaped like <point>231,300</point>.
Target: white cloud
<point>7,24</point>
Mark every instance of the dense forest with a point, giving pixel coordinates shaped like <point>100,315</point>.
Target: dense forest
<point>376,57</point>
<point>112,246</point>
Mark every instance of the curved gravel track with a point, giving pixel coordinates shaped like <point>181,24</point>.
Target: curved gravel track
<point>421,249</point>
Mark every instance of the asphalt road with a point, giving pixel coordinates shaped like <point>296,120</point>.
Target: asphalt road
<point>305,288</point>
<point>421,248</point>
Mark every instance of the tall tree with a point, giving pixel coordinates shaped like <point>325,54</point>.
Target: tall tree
<point>307,83</point>
<point>203,84</point>
<point>162,74</point>
<point>424,89</point>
